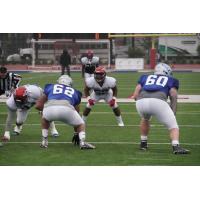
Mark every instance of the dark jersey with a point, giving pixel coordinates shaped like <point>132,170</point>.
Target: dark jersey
<point>62,92</point>
<point>158,83</point>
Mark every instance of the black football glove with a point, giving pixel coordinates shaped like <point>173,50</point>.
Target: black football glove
<point>76,139</point>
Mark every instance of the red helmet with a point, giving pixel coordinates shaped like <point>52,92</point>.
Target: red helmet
<point>100,74</point>
<point>20,94</point>
<point>89,54</point>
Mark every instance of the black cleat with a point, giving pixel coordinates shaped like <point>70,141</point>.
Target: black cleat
<point>143,145</point>
<point>178,150</point>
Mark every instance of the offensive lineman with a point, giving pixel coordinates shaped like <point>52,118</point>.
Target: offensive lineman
<point>151,95</point>
<point>89,64</point>
<point>60,102</point>
<point>23,98</point>
<point>102,87</point>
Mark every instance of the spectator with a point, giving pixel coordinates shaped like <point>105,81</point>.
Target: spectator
<point>65,61</point>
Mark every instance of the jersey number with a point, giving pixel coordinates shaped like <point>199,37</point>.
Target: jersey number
<point>154,79</point>
<point>61,89</point>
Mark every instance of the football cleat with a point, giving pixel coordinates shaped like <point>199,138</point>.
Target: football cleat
<point>54,133</point>
<point>121,124</point>
<point>143,145</point>
<point>44,143</point>
<point>179,150</point>
<point>17,130</point>
<point>6,136</point>
<point>85,145</point>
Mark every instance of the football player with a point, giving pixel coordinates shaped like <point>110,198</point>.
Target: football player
<point>60,102</point>
<point>20,102</point>
<point>102,87</point>
<point>89,64</point>
<point>151,94</point>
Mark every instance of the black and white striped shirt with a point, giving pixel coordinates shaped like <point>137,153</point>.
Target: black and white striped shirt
<point>11,81</point>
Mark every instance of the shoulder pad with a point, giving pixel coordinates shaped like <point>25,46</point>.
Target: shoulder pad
<point>95,59</point>
<point>84,60</point>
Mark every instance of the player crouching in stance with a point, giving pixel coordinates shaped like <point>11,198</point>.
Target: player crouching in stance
<point>60,102</point>
<point>102,87</point>
<point>151,95</point>
<point>20,102</point>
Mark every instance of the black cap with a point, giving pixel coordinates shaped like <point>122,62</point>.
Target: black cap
<point>3,69</point>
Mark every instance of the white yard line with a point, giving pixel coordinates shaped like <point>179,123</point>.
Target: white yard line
<point>150,159</point>
<point>113,125</point>
<point>123,143</point>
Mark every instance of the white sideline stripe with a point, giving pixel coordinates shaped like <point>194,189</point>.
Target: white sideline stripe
<point>112,125</point>
<point>135,143</point>
<point>181,99</point>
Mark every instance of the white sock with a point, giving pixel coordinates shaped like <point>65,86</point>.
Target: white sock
<point>52,126</point>
<point>119,119</point>
<point>84,118</point>
<point>175,142</point>
<point>82,136</point>
<point>44,133</point>
<point>7,133</point>
<point>143,138</point>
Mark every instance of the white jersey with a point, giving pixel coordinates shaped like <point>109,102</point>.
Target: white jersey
<point>90,64</point>
<point>109,83</point>
<point>93,61</point>
<point>33,94</point>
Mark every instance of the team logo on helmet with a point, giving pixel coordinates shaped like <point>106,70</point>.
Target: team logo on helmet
<point>65,80</point>
<point>163,69</point>
<point>100,74</point>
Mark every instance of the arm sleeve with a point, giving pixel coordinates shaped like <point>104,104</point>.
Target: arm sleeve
<point>113,82</point>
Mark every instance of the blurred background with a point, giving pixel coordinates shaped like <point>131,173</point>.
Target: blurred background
<point>115,50</point>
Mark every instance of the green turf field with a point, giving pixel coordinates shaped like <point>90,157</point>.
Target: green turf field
<point>115,146</point>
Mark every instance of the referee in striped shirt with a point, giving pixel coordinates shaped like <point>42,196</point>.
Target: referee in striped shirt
<point>8,81</point>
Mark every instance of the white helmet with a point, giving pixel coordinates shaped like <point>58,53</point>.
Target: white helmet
<point>65,80</point>
<point>163,69</point>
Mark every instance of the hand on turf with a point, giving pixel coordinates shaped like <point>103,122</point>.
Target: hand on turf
<point>76,139</point>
